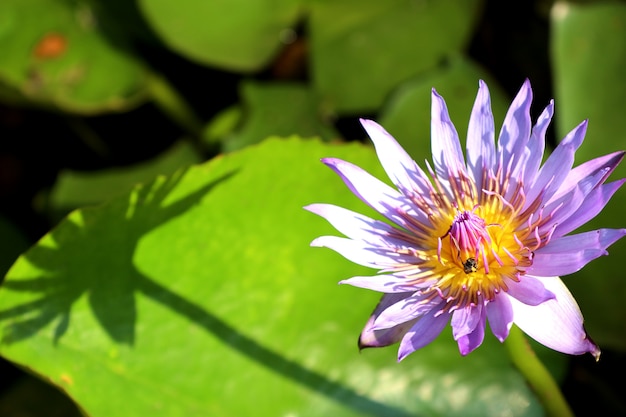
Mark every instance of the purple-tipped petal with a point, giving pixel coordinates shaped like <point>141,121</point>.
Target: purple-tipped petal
<point>384,337</point>
<point>529,290</point>
<point>500,316</point>
<point>480,137</point>
<point>359,252</point>
<point>357,226</point>
<point>516,128</point>
<point>591,206</point>
<point>557,323</point>
<point>424,331</point>
<point>465,319</point>
<point>446,149</point>
<point>374,192</point>
<point>382,283</point>
<point>569,254</point>
<point>603,165</point>
<point>557,167</point>
<point>537,144</point>
<point>563,207</point>
<point>399,166</point>
<point>467,343</point>
<point>404,310</point>
<point>379,338</point>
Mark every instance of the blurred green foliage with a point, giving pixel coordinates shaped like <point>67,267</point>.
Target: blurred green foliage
<point>55,55</point>
<point>589,60</point>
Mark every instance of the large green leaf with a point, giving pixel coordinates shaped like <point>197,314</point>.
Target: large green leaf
<point>74,189</point>
<point>199,295</point>
<point>589,57</point>
<point>362,49</point>
<point>239,35</point>
<point>407,113</point>
<point>55,54</point>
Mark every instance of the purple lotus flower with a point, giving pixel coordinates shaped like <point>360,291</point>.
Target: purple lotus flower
<point>475,238</point>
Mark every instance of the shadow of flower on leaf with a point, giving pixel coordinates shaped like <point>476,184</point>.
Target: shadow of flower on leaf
<point>91,254</point>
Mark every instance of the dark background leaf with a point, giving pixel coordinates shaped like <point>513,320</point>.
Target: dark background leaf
<point>407,114</point>
<point>589,55</point>
<point>198,29</point>
<point>357,60</point>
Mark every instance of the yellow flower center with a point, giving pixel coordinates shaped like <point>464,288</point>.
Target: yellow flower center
<point>477,241</point>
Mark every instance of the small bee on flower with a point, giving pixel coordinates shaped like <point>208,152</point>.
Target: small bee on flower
<point>470,265</point>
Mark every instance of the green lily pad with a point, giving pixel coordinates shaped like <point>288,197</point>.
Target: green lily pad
<point>588,49</point>
<point>278,109</point>
<point>407,113</point>
<point>12,244</point>
<point>222,125</point>
<point>74,189</point>
<point>362,49</point>
<point>239,35</point>
<point>198,294</point>
<point>55,55</point>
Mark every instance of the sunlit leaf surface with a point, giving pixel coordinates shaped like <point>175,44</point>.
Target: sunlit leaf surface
<point>79,188</point>
<point>198,294</point>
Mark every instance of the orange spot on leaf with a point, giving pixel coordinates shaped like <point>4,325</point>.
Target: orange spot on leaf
<point>51,45</point>
<point>67,379</point>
